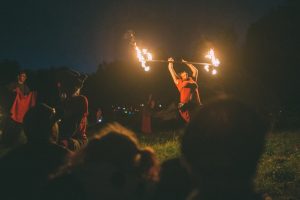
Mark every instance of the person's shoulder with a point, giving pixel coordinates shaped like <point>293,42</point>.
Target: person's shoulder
<point>80,99</point>
<point>179,81</point>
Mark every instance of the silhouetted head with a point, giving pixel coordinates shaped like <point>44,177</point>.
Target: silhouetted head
<point>118,146</point>
<point>40,124</point>
<point>71,82</point>
<point>224,139</point>
<point>114,166</point>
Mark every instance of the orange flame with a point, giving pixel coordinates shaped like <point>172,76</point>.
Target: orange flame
<point>215,62</point>
<point>211,55</point>
<point>143,56</point>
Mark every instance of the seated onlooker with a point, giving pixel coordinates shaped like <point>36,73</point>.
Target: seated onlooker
<point>174,181</point>
<point>25,170</point>
<point>111,166</point>
<point>221,147</point>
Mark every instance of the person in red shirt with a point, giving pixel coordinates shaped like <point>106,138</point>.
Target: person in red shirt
<point>73,123</point>
<point>188,89</point>
<point>20,99</point>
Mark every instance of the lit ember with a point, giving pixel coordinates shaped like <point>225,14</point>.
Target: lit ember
<point>215,62</point>
<point>211,55</point>
<point>206,67</point>
<point>143,55</point>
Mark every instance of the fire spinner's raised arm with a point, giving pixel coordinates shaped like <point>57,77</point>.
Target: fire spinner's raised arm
<point>193,69</point>
<point>172,71</point>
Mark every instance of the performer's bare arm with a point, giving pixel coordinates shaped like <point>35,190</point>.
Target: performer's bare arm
<point>172,71</point>
<point>193,69</point>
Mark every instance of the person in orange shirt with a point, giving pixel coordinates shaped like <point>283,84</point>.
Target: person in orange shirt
<point>188,89</point>
<point>20,99</point>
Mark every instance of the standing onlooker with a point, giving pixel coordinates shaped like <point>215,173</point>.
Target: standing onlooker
<point>74,111</point>
<point>147,115</point>
<point>21,99</point>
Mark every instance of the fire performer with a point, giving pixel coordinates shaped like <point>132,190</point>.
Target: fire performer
<point>188,89</point>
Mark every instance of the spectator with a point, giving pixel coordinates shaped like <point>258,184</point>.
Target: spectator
<point>75,111</point>
<point>111,166</point>
<point>21,99</point>
<point>147,115</point>
<point>24,171</point>
<point>221,146</point>
<point>174,182</point>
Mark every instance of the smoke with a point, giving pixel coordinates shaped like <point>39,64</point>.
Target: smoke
<point>130,35</point>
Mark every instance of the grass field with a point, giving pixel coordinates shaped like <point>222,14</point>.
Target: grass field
<point>278,170</point>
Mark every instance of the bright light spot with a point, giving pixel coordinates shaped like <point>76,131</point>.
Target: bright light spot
<point>206,67</point>
<point>142,105</point>
<point>211,55</point>
<point>214,72</point>
<point>100,120</point>
<point>147,68</point>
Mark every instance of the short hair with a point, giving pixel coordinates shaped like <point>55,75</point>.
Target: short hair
<point>118,146</point>
<point>22,72</point>
<point>224,136</point>
<point>71,80</point>
<point>38,123</point>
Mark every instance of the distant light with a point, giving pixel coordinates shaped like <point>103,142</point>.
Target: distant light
<point>142,105</point>
<point>100,120</point>
<point>160,105</point>
<point>147,69</point>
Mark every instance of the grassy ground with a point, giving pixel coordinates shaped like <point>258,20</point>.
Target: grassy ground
<point>278,170</point>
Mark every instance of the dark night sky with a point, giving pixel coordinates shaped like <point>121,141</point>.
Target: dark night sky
<point>81,34</point>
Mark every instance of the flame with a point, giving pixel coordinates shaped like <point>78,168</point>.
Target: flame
<point>214,72</point>
<point>206,67</point>
<point>143,56</point>
<point>211,55</point>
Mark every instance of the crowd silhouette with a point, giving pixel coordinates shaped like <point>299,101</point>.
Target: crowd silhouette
<point>220,149</point>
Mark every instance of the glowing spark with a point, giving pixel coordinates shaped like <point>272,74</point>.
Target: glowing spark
<point>211,55</point>
<point>214,72</point>
<point>206,67</point>
<point>142,54</point>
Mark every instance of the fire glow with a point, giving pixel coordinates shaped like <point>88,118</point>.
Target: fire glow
<point>215,62</point>
<point>143,56</point>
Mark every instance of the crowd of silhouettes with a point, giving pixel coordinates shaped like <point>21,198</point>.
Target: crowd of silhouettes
<point>220,149</point>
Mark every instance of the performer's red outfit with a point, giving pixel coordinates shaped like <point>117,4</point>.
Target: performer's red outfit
<point>189,97</point>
